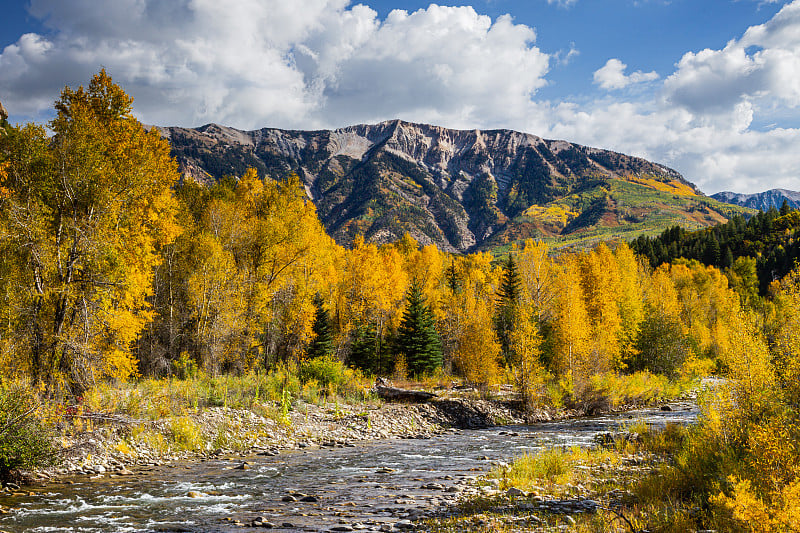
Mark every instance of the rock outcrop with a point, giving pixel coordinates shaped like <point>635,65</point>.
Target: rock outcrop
<point>3,118</point>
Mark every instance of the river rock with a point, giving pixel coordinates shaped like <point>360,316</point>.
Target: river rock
<point>514,492</point>
<point>309,499</point>
<point>193,494</point>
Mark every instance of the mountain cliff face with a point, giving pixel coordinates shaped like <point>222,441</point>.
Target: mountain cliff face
<point>762,200</point>
<point>460,189</point>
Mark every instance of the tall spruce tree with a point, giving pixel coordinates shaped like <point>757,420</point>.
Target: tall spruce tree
<point>365,349</point>
<point>322,345</point>
<point>507,300</point>
<point>417,338</point>
<point>785,208</point>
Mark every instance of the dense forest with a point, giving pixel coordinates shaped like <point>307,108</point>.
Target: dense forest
<point>768,238</point>
<point>112,267</point>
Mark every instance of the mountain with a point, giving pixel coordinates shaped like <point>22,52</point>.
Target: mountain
<point>761,200</point>
<point>459,189</point>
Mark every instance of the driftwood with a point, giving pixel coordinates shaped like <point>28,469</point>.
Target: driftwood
<point>403,395</point>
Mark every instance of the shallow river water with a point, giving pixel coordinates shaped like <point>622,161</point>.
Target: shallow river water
<point>362,487</point>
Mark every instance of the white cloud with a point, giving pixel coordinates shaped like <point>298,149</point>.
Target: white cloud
<point>304,63</point>
<point>562,3</point>
<point>763,67</point>
<point>612,75</point>
<point>719,154</point>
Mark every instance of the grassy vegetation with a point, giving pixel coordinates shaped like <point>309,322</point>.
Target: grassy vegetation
<point>315,381</point>
<point>613,391</point>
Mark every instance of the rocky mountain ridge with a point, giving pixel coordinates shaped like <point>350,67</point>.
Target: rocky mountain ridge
<point>762,200</point>
<point>460,189</point>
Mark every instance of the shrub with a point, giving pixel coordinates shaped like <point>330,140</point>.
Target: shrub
<point>186,433</point>
<point>25,442</point>
<point>324,370</point>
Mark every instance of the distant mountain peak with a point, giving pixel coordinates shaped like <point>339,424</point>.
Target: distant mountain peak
<point>762,200</point>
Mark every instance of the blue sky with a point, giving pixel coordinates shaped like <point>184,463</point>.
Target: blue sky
<point>708,87</point>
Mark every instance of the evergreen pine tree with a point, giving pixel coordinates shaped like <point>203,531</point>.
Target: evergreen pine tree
<point>507,299</point>
<point>417,338</point>
<point>785,209</point>
<point>453,280</point>
<point>364,349</point>
<point>322,344</point>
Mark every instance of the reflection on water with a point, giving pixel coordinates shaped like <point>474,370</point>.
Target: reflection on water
<point>350,484</point>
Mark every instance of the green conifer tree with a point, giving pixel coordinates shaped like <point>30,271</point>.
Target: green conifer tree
<point>785,209</point>
<point>507,300</point>
<point>417,338</point>
<point>364,353</point>
<point>322,345</point>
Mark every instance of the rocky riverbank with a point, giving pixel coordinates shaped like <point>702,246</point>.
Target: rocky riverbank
<point>114,445</point>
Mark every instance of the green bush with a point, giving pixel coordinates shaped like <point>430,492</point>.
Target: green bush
<point>25,443</point>
<point>332,377</point>
<point>326,371</point>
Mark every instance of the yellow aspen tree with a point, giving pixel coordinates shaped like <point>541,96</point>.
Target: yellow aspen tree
<point>662,345</point>
<point>477,354</point>
<point>707,305</point>
<point>537,273</point>
<point>216,302</point>
<point>632,277</point>
<point>526,345</point>
<point>91,208</point>
<point>426,266</point>
<point>371,294</point>
<point>572,331</point>
<point>600,281</point>
<point>465,318</point>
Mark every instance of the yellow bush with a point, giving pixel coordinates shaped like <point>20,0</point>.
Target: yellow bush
<point>186,434</point>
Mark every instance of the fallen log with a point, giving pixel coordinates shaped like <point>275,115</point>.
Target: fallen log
<point>403,395</point>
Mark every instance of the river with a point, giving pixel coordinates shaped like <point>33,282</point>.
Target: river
<point>364,488</point>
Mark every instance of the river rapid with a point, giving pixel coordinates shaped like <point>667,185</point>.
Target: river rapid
<point>378,486</point>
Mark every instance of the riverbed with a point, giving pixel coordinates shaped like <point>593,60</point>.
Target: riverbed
<point>378,486</point>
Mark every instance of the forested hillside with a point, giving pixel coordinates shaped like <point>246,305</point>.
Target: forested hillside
<point>766,245</point>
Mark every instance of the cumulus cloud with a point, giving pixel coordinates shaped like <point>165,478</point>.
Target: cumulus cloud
<point>763,67</point>
<point>612,75</point>
<point>716,155</point>
<point>304,63</point>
